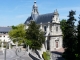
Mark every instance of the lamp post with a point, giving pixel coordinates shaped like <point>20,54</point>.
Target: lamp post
<point>4,53</point>
<point>8,43</point>
<point>2,45</point>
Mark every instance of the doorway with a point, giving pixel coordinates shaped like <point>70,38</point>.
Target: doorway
<point>56,43</point>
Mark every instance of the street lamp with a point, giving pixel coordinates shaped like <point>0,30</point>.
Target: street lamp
<point>8,43</point>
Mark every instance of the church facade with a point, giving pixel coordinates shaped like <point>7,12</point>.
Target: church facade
<point>50,24</point>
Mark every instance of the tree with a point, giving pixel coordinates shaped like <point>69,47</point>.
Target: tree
<point>17,33</point>
<point>69,37</point>
<point>78,40</point>
<point>35,37</point>
<point>63,27</point>
<point>63,24</point>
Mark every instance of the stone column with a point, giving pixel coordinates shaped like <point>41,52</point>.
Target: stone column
<point>54,44</point>
<point>48,28</point>
<point>61,42</point>
<point>50,44</point>
<point>46,43</point>
<point>28,50</point>
<point>41,26</point>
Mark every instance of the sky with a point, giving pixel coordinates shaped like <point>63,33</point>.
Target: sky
<point>14,12</point>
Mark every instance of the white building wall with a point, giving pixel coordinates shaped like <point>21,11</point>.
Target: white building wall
<point>4,37</point>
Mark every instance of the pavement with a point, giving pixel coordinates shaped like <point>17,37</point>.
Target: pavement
<point>23,55</point>
<point>11,55</point>
<point>56,56</point>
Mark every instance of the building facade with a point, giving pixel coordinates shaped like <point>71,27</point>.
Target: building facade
<point>50,24</point>
<point>4,37</point>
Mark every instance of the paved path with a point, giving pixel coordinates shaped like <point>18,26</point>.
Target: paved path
<point>56,56</point>
<point>11,55</point>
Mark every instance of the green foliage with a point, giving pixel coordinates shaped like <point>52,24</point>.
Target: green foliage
<point>70,37</point>
<point>78,40</point>
<point>17,33</point>
<point>46,56</point>
<point>35,37</point>
<point>14,27</point>
<point>63,25</point>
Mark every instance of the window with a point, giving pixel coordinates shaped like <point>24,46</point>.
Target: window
<point>56,19</point>
<point>44,28</point>
<point>4,36</point>
<point>0,36</point>
<point>56,28</point>
<point>4,32</point>
<point>57,43</point>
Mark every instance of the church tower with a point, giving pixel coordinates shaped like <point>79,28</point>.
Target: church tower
<point>56,33</point>
<point>34,13</point>
<point>55,18</point>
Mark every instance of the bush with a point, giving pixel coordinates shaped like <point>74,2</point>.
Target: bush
<point>46,56</point>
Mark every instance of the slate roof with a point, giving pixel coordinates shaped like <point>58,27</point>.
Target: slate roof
<point>28,19</point>
<point>45,18</point>
<point>5,29</point>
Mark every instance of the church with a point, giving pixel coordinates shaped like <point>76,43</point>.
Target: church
<point>50,24</point>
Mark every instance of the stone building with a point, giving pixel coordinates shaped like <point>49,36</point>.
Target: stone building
<point>4,34</point>
<point>4,37</point>
<point>50,24</point>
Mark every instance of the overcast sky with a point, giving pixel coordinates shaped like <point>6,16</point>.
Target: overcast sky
<point>14,12</point>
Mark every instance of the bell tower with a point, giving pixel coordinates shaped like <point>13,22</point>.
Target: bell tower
<point>55,18</point>
<point>34,13</point>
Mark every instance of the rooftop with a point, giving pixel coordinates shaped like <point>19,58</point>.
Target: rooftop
<point>5,29</point>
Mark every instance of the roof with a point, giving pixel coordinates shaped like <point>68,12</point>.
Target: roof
<point>45,18</point>
<point>5,29</point>
<point>28,19</point>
